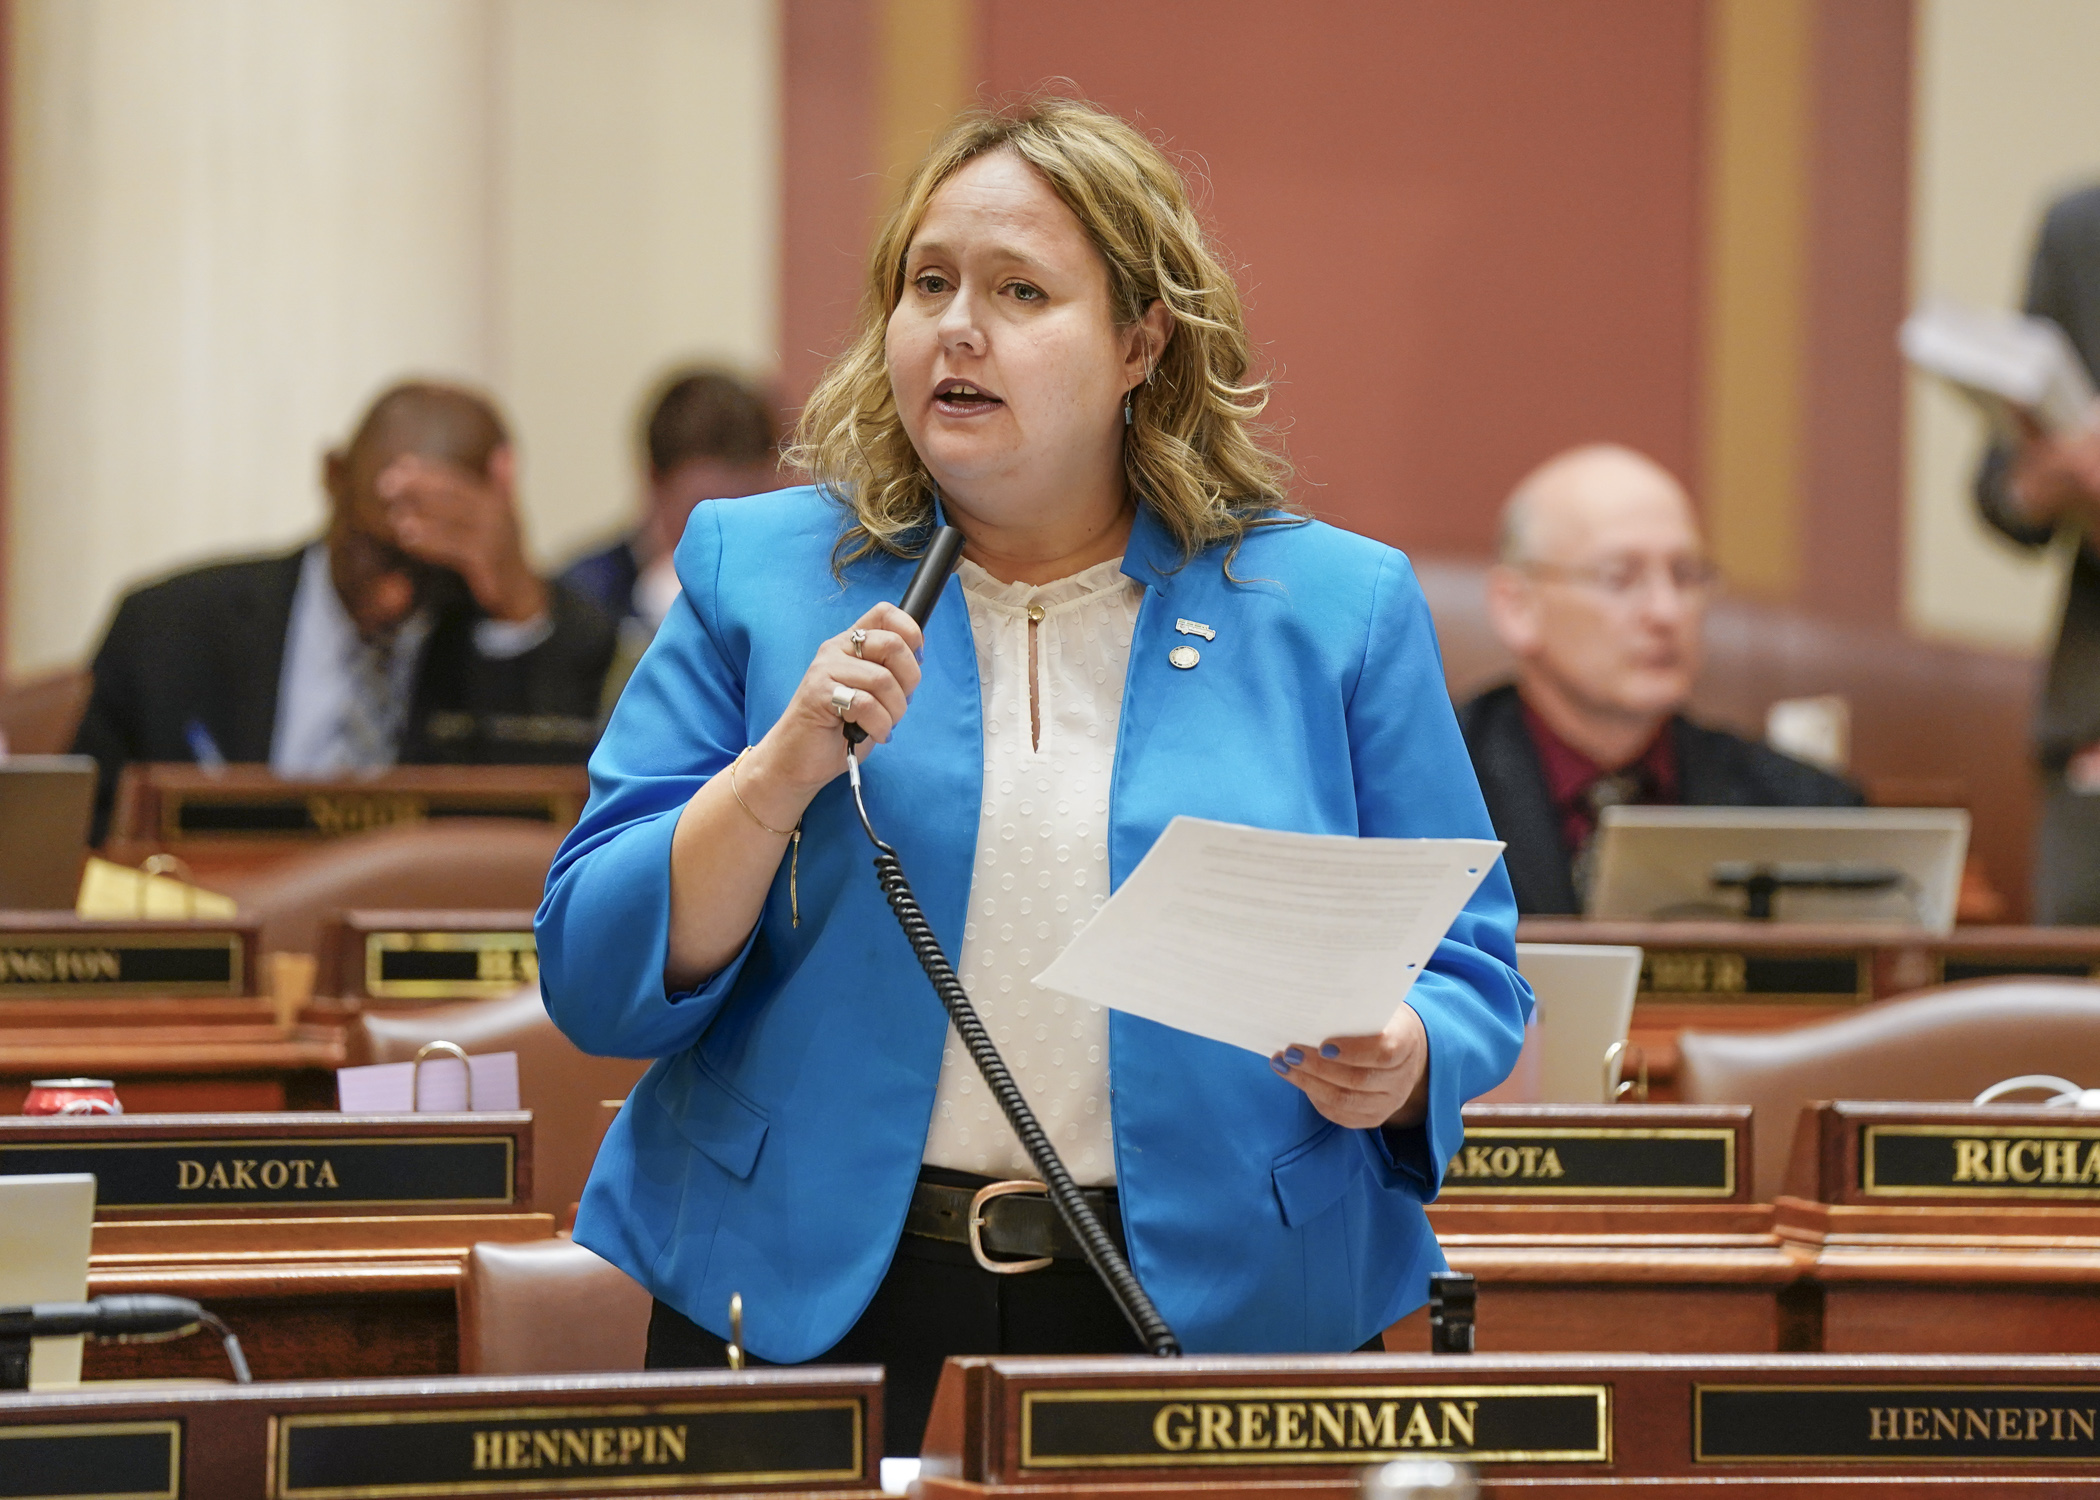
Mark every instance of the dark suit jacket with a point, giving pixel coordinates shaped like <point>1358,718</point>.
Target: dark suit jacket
<point>606,577</point>
<point>208,645</point>
<point>1714,769</point>
<point>2063,285</point>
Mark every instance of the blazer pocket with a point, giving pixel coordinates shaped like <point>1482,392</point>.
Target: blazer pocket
<point>1311,1177</point>
<point>713,1117</point>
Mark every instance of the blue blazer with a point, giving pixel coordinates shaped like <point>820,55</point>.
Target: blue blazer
<point>773,1147</point>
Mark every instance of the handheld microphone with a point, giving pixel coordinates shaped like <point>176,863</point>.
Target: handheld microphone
<point>924,590</point>
<point>141,1318</point>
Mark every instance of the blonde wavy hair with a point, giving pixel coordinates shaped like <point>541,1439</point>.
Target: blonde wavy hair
<point>1192,452</point>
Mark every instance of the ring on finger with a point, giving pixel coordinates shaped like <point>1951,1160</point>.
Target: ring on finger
<point>842,701</point>
<point>856,640</point>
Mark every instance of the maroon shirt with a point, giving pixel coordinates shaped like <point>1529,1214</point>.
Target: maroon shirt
<point>1570,774</point>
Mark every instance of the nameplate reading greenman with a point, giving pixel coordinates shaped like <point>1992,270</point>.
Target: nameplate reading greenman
<point>1313,1424</point>
<point>624,1448</point>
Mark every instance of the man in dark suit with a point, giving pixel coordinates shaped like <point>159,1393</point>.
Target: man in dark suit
<point>1601,594</point>
<point>414,631</point>
<point>2030,491</point>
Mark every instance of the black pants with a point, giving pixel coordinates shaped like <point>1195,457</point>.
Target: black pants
<point>937,1301</point>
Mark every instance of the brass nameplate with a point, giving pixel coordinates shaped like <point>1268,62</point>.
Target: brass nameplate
<point>448,965</point>
<point>72,963</point>
<point>1593,1162</point>
<point>1724,974</point>
<point>92,1461</point>
<point>391,1171</point>
<point>300,814</point>
<point>1955,967</point>
<point>1175,1428</point>
<point>623,1449</point>
<point>1915,1424</point>
<point>1979,1161</point>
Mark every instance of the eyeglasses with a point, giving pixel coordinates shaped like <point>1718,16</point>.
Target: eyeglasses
<point>1621,578</point>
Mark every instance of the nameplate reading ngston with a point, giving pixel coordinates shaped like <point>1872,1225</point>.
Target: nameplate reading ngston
<point>1171,1429</point>
<point>1904,1424</point>
<point>624,1449</point>
<point>44,965</point>
<point>1592,1162</point>
<point>1979,1161</point>
<point>364,1173</point>
<point>448,965</point>
<point>91,1461</point>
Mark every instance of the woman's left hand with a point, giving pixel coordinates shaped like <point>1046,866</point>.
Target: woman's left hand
<point>1364,1081</point>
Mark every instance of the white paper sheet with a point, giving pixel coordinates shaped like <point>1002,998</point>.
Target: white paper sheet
<point>1265,939</point>
<point>383,1088</point>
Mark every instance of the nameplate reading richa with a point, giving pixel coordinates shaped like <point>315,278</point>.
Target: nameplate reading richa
<point>584,1450</point>
<point>1301,1425</point>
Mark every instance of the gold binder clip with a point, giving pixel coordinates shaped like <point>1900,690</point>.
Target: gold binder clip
<point>736,1330</point>
<point>415,1076</point>
<point>168,866</point>
<point>1614,1060</point>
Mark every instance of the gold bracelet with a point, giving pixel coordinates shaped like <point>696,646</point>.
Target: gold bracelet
<point>737,792</point>
<point>792,835</point>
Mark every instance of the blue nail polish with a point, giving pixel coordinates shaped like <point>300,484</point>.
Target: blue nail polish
<point>1293,1056</point>
<point>1281,1070</point>
<point>919,655</point>
<point>1329,1049</point>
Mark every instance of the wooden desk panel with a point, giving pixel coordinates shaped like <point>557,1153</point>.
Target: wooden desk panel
<point>387,960</point>
<point>186,1065</point>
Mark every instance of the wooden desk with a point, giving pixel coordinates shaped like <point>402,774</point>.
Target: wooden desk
<point>389,960</point>
<point>243,817</point>
<point>1768,976</point>
<point>171,1054</point>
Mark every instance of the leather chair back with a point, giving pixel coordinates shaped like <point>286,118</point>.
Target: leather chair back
<point>548,1307</point>
<point>562,1086</point>
<point>1947,1043</point>
<point>462,864</point>
<point>1932,724</point>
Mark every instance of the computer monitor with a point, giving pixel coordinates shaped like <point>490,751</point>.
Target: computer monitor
<point>1891,865</point>
<point>46,1223</point>
<point>45,803</point>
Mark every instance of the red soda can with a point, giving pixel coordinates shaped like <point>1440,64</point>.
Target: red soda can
<point>72,1096</point>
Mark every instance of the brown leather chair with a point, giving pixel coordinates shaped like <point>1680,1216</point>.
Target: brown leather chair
<point>560,1085</point>
<point>38,716</point>
<point>477,864</point>
<point>1931,723</point>
<point>548,1307</point>
<point>1947,1043</point>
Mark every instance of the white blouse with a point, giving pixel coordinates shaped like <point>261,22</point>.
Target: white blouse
<point>1042,866</point>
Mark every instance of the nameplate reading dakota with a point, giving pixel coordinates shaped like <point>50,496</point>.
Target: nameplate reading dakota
<point>623,1448</point>
<point>1979,1161</point>
<point>1593,1162</point>
<point>448,965</point>
<point>51,965</point>
<point>1159,1429</point>
<point>391,1171</point>
<point>2004,1424</point>
<point>91,1460</point>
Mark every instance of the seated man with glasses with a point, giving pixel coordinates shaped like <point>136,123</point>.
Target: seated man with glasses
<point>1600,594</point>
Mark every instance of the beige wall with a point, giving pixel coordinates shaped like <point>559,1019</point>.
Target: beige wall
<point>2007,117</point>
<point>232,220</point>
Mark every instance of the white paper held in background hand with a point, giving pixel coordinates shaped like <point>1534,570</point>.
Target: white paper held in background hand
<point>1265,939</point>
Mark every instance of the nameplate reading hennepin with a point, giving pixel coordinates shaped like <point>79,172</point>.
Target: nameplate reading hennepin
<point>1971,1424</point>
<point>1979,1161</point>
<point>1162,1429</point>
<point>52,965</point>
<point>1593,1162</point>
<point>91,1461</point>
<point>325,1170</point>
<point>624,1449</point>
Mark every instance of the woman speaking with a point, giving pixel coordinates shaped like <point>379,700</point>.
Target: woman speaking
<point>1050,358</point>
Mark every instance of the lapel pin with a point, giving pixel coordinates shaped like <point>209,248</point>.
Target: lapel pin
<point>1195,627</point>
<point>1184,657</point>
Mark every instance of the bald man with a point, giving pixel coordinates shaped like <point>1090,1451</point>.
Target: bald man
<point>414,631</point>
<point>1601,595</point>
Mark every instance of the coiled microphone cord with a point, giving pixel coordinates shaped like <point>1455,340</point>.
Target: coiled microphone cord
<point>1100,1250</point>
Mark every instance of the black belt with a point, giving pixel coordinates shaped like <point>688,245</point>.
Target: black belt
<point>1012,1220</point>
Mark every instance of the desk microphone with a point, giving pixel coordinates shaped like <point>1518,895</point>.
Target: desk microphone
<point>920,596</point>
<point>132,1319</point>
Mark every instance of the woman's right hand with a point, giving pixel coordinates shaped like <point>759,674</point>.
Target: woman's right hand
<point>800,754</point>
